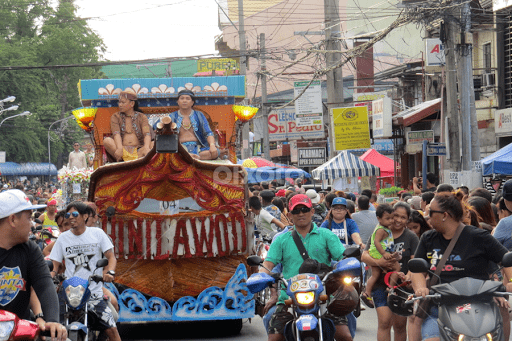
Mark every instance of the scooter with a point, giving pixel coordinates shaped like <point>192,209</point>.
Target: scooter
<point>308,297</point>
<point>78,320</point>
<point>13,328</point>
<point>467,310</point>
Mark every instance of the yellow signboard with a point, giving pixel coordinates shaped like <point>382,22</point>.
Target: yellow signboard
<point>350,128</point>
<point>220,64</point>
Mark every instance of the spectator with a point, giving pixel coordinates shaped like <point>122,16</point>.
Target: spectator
<point>339,221</point>
<point>481,192</point>
<point>264,185</point>
<point>444,188</point>
<point>351,206</point>
<point>328,200</point>
<point>503,211</point>
<point>415,202</point>
<point>417,223</point>
<point>426,198</point>
<point>264,220</point>
<point>77,158</point>
<point>484,210</point>
<point>464,189</point>
<point>365,219</point>
<point>373,198</point>
<point>266,203</point>
<point>431,184</point>
<point>320,210</point>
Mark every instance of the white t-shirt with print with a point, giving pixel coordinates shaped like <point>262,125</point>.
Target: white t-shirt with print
<point>81,253</point>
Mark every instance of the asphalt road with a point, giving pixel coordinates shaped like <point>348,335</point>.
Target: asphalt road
<point>217,331</point>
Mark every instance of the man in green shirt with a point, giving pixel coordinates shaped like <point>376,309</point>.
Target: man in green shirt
<point>319,243</point>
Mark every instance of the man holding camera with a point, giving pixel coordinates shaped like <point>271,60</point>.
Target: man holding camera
<point>431,184</point>
<point>284,250</point>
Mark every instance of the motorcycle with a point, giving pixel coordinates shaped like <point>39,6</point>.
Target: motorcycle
<point>467,310</point>
<point>312,296</point>
<point>78,320</point>
<point>13,328</point>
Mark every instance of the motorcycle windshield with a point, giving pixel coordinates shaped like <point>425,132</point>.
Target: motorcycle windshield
<point>468,287</point>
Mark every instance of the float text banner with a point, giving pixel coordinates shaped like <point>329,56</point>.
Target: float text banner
<point>350,128</point>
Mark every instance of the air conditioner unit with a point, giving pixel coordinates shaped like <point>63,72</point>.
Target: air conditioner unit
<point>488,80</point>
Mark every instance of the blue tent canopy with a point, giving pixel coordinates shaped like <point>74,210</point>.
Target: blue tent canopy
<point>498,163</point>
<point>27,169</point>
<point>257,175</point>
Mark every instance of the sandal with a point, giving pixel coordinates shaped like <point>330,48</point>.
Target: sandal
<point>367,300</point>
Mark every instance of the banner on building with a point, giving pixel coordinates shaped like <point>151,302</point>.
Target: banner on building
<point>282,126</point>
<point>312,156</point>
<point>381,118</point>
<point>365,99</point>
<point>350,128</point>
<point>204,65</point>
<point>308,107</point>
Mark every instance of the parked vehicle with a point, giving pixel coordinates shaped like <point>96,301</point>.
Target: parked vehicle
<point>467,310</point>
<point>309,298</point>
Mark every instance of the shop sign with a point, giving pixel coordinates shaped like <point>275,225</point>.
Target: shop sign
<point>204,65</point>
<point>365,99</point>
<point>294,154</point>
<point>350,128</point>
<point>308,107</point>
<point>381,119</point>
<point>417,137</point>
<point>312,156</point>
<point>282,126</point>
<point>455,179</point>
<point>435,52</point>
<point>503,122</point>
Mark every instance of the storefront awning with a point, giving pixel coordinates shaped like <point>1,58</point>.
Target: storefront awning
<point>417,113</point>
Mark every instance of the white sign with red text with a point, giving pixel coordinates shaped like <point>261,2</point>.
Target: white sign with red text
<point>282,126</point>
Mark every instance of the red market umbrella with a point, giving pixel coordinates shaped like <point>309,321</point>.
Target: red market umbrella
<point>256,162</point>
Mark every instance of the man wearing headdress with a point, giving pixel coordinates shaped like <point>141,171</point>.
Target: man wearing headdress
<point>131,133</point>
<point>194,131</point>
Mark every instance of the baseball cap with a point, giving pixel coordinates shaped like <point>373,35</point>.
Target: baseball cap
<point>281,193</point>
<point>507,190</point>
<point>14,201</point>
<point>313,195</point>
<point>300,199</point>
<point>339,201</point>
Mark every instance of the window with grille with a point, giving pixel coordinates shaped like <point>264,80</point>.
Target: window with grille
<point>487,57</point>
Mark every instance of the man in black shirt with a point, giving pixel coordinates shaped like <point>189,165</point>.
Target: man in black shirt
<point>22,265</point>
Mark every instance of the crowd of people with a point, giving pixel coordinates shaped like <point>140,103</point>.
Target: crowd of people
<point>418,224</point>
<point>74,246</point>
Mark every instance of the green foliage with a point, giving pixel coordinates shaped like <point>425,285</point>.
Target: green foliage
<point>35,34</point>
<point>390,191</point>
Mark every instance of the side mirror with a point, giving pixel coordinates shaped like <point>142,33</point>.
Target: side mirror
<point>352,252</point>
<point>38,221</point>
<point>110,212</point>
<point>418,265</point>
<point>254,260</point>
<point>507,260</point>
<point>102,263</point>
<point>39,227</point>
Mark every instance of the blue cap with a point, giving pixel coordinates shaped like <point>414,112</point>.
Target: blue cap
<point>339,201</point>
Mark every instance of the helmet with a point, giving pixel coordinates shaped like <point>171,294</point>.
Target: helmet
<point>343,301</point>
<point>396,300</point>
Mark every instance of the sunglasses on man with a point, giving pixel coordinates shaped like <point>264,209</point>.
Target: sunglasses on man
<point>299,210</point>
<point>75,214</point>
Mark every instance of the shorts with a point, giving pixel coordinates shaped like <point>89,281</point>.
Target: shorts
<point>380,297</point>
<point>281,317</point>
<point>194,147</point>
<point>429,327</point>
<point>104,318</point>
<point>127,156</point>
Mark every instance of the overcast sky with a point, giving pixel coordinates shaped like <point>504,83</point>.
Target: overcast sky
<point>154,29</point>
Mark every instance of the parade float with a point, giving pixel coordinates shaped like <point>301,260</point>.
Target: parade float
<point>188,263</point>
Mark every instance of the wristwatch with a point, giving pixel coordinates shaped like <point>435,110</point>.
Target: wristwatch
<point>111,272</point>
<point>40,315</point>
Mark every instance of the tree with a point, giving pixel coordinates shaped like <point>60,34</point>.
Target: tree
<point>38,35</point>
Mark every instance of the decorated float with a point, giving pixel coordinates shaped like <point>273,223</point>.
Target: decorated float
<point>178,224</point>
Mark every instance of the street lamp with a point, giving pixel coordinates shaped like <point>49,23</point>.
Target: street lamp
<point>8,99</point>
<point>49,154</point>
<point>25,113</point>
<point>5,100</point>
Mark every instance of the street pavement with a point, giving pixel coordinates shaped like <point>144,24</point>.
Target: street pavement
<point>216,331</point>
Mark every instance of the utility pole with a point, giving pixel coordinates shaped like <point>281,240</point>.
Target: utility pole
<point>334,77</point>
<point>451,95</point>
<point>264,108</point>
<point>243,70</point>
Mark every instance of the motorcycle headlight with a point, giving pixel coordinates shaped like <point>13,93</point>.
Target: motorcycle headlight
<point>305,298</point>
<point>347,280</point>
<point>6,328</point>
<point>486,337</point>
<point>74,295</point>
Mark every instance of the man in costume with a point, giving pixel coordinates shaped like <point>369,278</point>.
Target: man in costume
<point>131,133</point>
<point>194,131</point>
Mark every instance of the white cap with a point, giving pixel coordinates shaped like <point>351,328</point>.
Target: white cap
<point>13,201</point>
<point>6,186</point>
<point>313,195</point>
